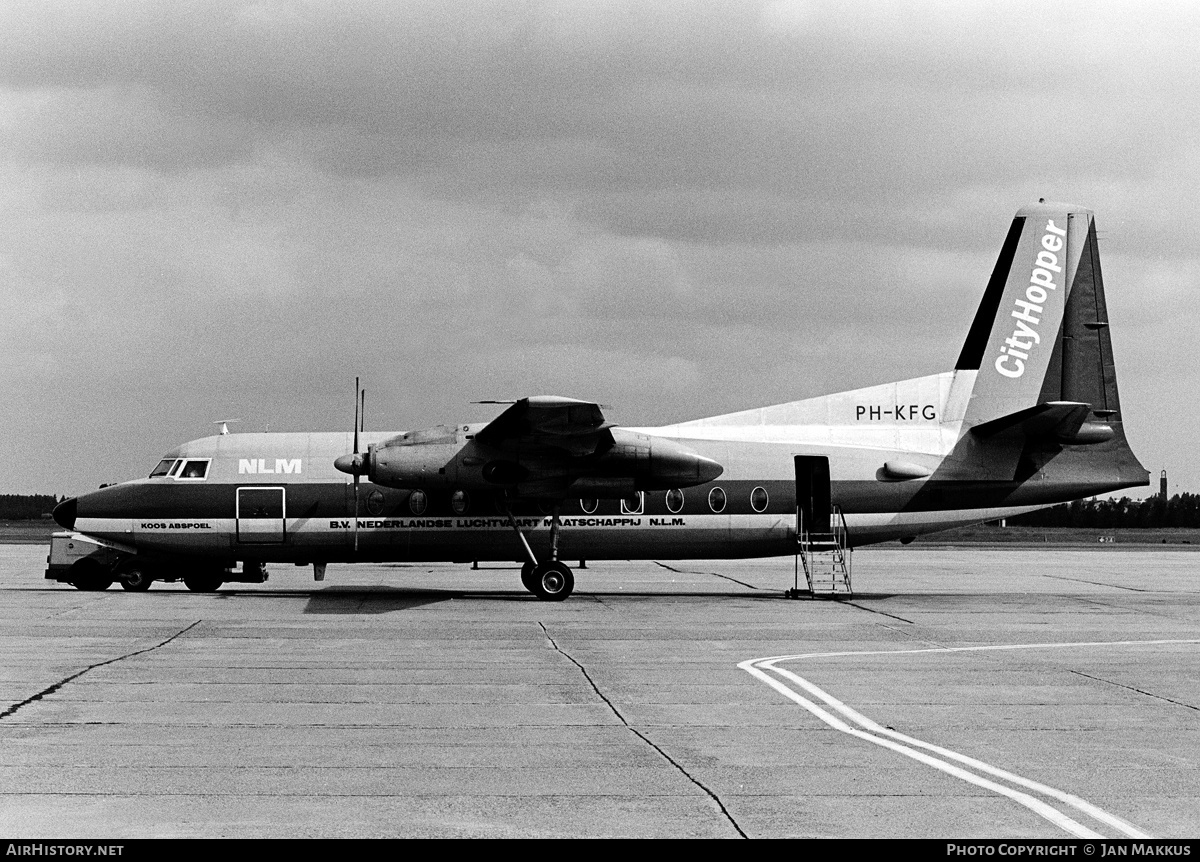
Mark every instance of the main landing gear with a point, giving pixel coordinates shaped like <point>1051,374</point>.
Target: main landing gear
<point>550,581</point>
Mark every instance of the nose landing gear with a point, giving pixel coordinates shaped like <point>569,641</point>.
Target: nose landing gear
<point>89,575</point>
<point>134,576</point>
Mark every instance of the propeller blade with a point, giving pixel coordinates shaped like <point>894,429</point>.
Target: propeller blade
<point>356,393</point>
<point>354,463</point>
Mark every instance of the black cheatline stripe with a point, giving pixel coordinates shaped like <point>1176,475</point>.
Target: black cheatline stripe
<point>641,735</point>
<point>985,317</point>
<point>321,501</point>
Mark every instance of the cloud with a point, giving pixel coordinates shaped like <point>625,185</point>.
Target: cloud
<point>221,208</point>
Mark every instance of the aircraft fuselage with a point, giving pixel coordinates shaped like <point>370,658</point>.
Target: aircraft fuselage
<point>276,497</point>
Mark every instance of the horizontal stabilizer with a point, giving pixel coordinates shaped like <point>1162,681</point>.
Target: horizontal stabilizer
<point>1052,421</point>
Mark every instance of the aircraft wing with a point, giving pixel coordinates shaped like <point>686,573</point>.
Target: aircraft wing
<point>548,422</point>
<point>542,447</point>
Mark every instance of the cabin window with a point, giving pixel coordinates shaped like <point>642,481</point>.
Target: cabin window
<point>460,501</point>
<point>716,500</point>
<point>759,499</point>
<point>194,468</point>
<point>633,505</point>
<point>674,500</point>
<point>589,505</point>
<point>163,468</point>
<point>418,502</point>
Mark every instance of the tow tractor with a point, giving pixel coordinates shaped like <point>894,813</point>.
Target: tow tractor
<point>88,563</point>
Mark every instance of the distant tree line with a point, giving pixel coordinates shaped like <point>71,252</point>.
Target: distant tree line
<point>25,507</point>
<point>1182,510</point>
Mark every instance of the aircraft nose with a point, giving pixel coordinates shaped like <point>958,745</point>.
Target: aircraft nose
<point>65,513</point>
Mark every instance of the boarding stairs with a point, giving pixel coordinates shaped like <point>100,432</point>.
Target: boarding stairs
<point>824,557</point>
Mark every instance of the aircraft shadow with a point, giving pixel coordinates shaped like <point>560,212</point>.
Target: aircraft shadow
<point>374,600</point>
<point>378,600</point>
<point>385,599</point>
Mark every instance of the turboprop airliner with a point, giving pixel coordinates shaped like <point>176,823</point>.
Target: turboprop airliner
<point>1027,418</point>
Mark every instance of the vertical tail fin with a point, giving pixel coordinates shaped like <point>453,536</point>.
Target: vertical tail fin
<point>1038,363</point>
<point>1041,333</point>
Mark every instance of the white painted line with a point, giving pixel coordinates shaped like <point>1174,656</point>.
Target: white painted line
<point>994,647</point>
<point>1074,801</point>
<point>908,745</point>
<point>1036,805</point>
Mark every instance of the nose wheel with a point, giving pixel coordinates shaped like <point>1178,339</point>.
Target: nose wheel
<point>202,582</point>
<point>134,576</point>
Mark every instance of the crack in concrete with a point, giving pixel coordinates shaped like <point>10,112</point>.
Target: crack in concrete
<point>49,691</point>
<point>874,611</point>
<point>1137,690</point>
<point>639,734</point>
<point>714,574</point>
<point>1099,584</point>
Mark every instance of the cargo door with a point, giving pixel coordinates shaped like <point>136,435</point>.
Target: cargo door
<point>261,516</point>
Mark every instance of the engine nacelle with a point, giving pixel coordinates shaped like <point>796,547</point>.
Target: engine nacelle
<point>654,463</point>
<point>424,465</point>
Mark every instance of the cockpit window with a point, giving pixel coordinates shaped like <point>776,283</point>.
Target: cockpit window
<point>163,468</point>
<point>194,469</point>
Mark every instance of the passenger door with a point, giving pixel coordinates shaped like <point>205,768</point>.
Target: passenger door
<point>813,498</point>
<point>261,515</point>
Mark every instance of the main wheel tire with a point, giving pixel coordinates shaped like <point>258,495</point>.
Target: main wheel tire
<point>202,583</point>
<point>135,577</point>
<point>552,582</point>
<point>527,577</point>
<point>90,575</point>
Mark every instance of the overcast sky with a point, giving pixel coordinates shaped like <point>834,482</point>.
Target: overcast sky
<point>230,209</point>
